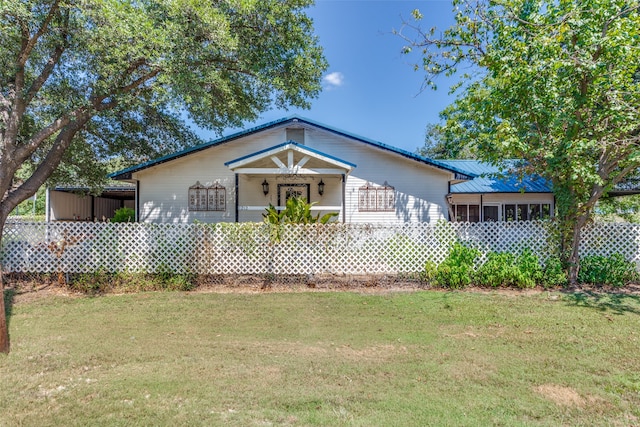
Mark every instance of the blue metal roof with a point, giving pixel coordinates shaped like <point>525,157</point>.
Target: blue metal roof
<point>126,173</point>
<point>493,179</point>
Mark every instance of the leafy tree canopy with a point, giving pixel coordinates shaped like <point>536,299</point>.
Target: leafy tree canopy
<point>556,83</point>
<point>437,146</point>
<point>83,79</point>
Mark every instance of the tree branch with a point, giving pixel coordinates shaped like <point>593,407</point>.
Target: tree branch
<point>50,65</point>
<point>30,44</point>
<point>25,151</point>
<point>48,164</point>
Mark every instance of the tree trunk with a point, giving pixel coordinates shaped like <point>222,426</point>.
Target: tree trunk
<point>571,246</point>
<point>4,330</point>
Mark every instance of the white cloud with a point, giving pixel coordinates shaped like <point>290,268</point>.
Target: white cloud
<point>333,80</point>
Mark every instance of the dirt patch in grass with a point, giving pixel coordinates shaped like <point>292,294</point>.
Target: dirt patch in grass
<point>561,395</point>
<point>378,352</point>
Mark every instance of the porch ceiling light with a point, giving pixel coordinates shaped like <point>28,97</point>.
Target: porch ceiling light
<point>321,187</point>
<point>265,187</point>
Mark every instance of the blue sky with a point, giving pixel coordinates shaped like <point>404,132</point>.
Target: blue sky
<point>370,88</point>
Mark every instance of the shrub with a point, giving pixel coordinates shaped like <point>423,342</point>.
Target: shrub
<point>124,215</point>
<point>103,282</point>
<point>91,283</point>
<point>500,269</point>
<point>505,269</point>
<point>553,273</point>
<point>429,272</point>
<point>457,270</point>
<point>613,270</point>
<point>529,266</point>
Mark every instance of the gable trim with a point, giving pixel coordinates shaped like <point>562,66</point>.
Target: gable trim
<point>342,165</point>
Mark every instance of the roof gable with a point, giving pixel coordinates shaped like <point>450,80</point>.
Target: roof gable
<point>127,173</point>
<point>290,158</point>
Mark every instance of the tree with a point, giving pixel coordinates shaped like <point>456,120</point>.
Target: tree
<point>437,146</point>
<point>555,83</point>
<point>80,80</point>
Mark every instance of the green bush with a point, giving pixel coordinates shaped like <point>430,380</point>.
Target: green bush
<point>614,270</point>
<point>505,269</point>
<point>529,266</point>
<point>553,273</point>
<point>124,215</point>
<point>457,270</point>
<point>500,269</point>
<point>429,272</point>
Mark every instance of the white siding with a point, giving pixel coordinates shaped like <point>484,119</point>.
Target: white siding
<point>164,188</point>
<point>420,188</point>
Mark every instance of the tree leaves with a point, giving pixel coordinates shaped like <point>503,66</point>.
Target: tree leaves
<point>556,88</point>
<point>104,77</point>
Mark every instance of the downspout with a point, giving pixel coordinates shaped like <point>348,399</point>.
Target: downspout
<point>93,207</point>
<point>481,208</point>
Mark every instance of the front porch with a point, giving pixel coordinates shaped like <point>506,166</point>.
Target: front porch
<point>272,176</point>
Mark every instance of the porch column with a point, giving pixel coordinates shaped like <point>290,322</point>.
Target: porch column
<point>237,196</point>
<point>344,199</point>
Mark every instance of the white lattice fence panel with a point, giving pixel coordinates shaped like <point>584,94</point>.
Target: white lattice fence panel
<point>233,248</point>
<point>611,238</point>
<point>511,237</point>
<point>24,248</point>
<point>230,249</point>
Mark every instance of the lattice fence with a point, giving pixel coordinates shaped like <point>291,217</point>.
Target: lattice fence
<point>248,248</point>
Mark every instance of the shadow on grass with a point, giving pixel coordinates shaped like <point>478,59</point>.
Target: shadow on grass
<point>618,303</point>
<point>9,295</point>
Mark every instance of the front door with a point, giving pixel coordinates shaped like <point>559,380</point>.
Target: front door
<point>287,191</point>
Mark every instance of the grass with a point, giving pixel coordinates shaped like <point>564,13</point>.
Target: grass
<point>319,358</point>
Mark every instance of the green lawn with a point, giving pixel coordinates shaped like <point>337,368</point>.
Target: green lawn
<point>320,358</point>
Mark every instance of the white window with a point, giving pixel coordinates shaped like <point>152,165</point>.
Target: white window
<point>467,213</point>
<point>526,211</point>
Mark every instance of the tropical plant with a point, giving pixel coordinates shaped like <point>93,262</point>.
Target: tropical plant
<point>296,211</point>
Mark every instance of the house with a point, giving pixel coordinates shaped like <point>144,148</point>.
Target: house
<point>233,179</point>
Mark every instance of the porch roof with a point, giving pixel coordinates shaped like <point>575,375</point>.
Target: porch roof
<point>290,158</point>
